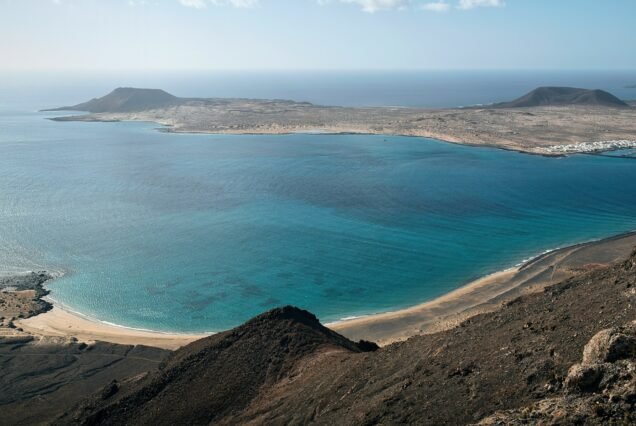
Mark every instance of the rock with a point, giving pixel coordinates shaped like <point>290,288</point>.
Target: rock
<point>367,346</point>
<point>630,263</point>
<point>584,378</point>
<point>611,345</point>
<point>597,370</point>
<point>110,389</point>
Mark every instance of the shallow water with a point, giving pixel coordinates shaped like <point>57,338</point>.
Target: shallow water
<point>200,232</point>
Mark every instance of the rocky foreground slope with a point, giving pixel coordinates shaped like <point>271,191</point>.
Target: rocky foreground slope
<point>42,378</point>
<point>599,390</point>
<point>563,356</point>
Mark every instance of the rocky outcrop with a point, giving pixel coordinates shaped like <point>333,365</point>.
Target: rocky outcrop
<point>22,296</point>
<point>611,345</point>
<point>600,390</point>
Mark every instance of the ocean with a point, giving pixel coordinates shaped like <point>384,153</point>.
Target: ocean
<point>180,232</point>
<point>434,89</point>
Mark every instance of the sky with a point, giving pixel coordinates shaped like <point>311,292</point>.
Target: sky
<point>316,34</point>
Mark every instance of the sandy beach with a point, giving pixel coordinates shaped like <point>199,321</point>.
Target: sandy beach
<point>482,295</point>
<point>438,314</point>
<point>61,323</point>
<point>488,293</point>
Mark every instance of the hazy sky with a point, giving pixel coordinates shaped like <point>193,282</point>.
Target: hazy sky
<point>317,34</point>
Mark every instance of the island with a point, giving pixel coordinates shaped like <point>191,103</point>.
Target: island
<point>547,121</point>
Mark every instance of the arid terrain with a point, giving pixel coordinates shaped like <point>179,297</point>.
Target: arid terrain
<point>535,129</point>
<point>21,297</point>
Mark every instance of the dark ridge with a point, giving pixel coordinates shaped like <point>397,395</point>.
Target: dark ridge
<point>125,99</point>
<point>561,96</point>
<point>220,375</point>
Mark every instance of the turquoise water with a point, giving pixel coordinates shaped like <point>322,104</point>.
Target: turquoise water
<point>200,232</point>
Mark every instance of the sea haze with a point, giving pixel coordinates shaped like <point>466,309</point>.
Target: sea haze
<point>353,88</point>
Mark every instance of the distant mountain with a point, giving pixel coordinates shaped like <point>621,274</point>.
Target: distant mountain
<point>126,99</point>
<point>560,96</point>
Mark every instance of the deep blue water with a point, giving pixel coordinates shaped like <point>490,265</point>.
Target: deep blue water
<point>200,232</point>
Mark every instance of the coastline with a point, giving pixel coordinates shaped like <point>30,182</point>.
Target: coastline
<point>550,151</point>
<point>488,293</point>
<point>573,128</point>
<point>443,312</point>
<point>60,322</point>
<point>482,295</point>
<point>167,127</point>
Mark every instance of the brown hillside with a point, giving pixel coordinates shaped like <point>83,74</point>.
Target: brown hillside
<point>284,368</point>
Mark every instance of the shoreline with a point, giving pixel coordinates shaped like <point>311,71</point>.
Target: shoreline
<point>325,132</point>
<point>73,312</point>
<point>572,128</point>
<point>488,293</point>
<point>553,151</point>
<point>172,129</point>
<point>377,327</point>
<point>484,294</point>
<point>60,322</point>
